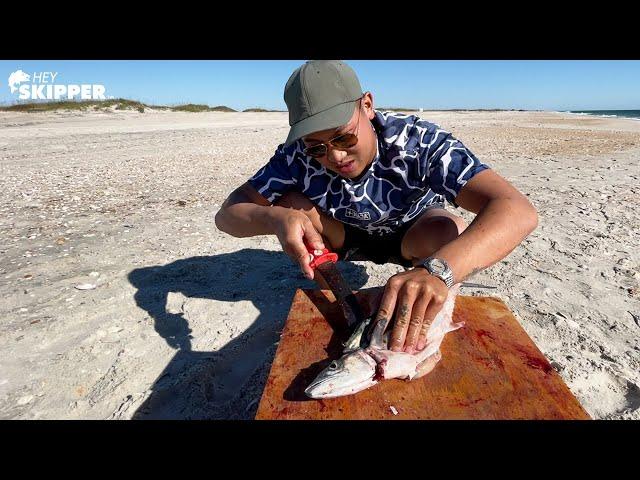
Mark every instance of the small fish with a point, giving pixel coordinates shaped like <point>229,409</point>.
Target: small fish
<point>366,360</point>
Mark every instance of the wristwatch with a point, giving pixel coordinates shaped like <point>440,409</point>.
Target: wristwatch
<point>439,268</point>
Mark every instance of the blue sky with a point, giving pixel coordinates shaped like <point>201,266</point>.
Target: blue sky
<point>539,85</point>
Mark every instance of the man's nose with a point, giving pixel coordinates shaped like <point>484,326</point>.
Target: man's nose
<point>335,155</point>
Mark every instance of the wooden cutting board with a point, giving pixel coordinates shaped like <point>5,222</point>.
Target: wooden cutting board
<point>490,369</point>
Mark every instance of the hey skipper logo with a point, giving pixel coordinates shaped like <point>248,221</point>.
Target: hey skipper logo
<point>43,86</point>
<point>16,78</point>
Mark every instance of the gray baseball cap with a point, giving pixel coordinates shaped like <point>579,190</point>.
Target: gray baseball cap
<point>321,94</point>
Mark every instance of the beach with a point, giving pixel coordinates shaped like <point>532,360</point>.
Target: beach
<point>176,319</point>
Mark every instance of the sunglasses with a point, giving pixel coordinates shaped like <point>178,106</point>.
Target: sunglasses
<point>341,142</point>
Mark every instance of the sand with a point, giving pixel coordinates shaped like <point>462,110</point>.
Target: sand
<point>184,320</point>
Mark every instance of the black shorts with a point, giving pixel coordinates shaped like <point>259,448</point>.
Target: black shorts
<point>380,249</point>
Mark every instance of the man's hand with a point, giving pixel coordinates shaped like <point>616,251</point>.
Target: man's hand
<point>419,297</point>
<point>294,231</point>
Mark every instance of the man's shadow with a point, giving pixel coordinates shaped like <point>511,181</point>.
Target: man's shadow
<point>225,383</point>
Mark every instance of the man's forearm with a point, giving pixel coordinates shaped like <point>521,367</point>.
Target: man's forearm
<point>246,219</point>
<point>497,229</point>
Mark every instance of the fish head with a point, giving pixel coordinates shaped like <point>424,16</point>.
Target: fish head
<point>349,374</point>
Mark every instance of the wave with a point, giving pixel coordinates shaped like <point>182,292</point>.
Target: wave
<point>628,114</point>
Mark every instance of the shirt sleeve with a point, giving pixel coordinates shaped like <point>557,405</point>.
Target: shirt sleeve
<point>277,177</point>
<point>448,163</point>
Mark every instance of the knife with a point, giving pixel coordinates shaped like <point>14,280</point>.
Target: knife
<point>475,285</point>
<point>323,263</point>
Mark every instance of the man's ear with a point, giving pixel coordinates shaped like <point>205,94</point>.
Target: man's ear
<point>367,103</point>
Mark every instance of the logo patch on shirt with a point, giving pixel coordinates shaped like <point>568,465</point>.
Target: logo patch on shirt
<point>349,213</point>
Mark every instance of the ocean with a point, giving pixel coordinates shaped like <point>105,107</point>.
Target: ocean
<point>635,114</point>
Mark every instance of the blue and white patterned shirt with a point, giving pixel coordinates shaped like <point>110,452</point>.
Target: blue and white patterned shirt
<point>417,164</point>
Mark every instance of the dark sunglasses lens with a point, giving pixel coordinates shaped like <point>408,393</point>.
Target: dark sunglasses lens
<point>316,150</point>
<point>347,140</point>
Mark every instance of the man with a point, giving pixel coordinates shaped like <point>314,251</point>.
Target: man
<point>359,180</point>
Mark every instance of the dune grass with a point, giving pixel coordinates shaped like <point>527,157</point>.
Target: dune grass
<point>192,107</point>
<point>119,103</point>
<point>107,105</point>
<point>261,110</point>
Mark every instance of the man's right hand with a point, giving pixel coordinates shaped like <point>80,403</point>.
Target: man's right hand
<point>294,231</point>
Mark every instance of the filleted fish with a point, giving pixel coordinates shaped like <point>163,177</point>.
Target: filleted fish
<point>367,358</point>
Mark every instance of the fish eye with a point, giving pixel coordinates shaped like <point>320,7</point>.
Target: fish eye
<point>333,365</point>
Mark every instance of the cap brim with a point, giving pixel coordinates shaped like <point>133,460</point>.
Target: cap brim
<point>332,118</point>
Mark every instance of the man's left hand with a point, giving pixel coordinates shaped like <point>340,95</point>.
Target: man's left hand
<point>419,297</point>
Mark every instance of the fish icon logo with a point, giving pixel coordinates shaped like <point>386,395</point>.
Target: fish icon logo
<point>16,78</point>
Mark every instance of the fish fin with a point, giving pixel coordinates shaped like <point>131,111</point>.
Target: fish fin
<point>355,340</point>
<point>378,338</point>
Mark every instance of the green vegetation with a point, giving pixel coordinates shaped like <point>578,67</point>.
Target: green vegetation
<point>261,110</point>
<point>191,107</point>
<point>119,103</point>
<point>107,105</point>
<point>222,108</point>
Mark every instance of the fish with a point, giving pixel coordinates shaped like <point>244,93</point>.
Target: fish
<point>367,359</point>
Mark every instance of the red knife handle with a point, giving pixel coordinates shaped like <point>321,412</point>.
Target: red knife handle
<point>318,257</point>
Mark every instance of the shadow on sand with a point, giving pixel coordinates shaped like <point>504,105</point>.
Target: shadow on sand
<point>225,383</point>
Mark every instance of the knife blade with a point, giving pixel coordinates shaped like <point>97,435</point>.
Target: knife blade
<point>323,263</point>
<point>475,285</point>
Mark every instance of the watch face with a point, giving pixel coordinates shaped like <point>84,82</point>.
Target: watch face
<point>437,266</point>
